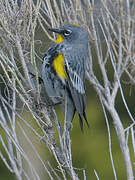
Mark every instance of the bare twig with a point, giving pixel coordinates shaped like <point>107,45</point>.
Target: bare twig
<point>110,26</point>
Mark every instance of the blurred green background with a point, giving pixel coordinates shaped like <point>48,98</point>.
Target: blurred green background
<point>90,149</point>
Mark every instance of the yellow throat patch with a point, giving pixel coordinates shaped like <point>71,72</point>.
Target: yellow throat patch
<point>59,38</point>
<point>58,65</point>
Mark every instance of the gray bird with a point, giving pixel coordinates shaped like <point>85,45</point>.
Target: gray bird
<point>63,72</point>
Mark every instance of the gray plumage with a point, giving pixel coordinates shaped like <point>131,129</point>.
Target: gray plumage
<point>70,91</point>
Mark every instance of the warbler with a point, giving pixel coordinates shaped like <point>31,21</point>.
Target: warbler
<point>63,72</point>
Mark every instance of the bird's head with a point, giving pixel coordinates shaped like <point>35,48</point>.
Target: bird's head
<point>71,33</point>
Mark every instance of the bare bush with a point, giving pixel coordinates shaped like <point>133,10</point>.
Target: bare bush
<point>110,26</point>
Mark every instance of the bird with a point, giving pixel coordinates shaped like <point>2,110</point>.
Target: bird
<point>63,72</point>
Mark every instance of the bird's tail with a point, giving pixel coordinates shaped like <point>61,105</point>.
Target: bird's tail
<point>81,120</point>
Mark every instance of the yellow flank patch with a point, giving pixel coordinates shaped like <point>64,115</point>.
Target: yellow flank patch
<point>58,65</point>
<point>59,38</point>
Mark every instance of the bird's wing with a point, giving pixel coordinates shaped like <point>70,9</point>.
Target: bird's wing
<point>75,70</point>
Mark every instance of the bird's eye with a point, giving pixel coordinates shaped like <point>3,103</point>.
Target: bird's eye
<point>67,32</point>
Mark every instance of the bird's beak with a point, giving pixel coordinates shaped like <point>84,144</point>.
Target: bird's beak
<point>55,30</point>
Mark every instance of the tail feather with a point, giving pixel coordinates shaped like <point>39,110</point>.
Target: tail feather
<point>85,117</point>
<point>81,122</point>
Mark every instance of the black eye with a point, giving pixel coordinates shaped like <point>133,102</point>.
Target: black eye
<point>67,32</point>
